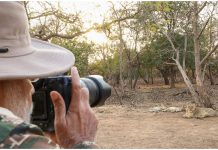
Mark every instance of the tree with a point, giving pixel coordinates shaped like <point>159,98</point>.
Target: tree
<point>81,51</point>
<point>52,21</point>
<point>197,32</point>
<point>173,17</point>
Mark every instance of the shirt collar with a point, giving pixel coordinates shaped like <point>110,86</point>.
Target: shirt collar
<point>6,112</point>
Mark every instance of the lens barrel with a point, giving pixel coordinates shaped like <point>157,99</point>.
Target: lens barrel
<point>99,90</point>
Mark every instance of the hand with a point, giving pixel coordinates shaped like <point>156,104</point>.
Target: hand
<point>79,123</point>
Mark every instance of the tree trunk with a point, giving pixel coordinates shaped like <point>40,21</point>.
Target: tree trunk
<point>152,78</point>
<point>184,52</point>
<point>121,69</point>
<point>130,75</point>
<point>210,75</point>
<point>121,75</point>
<point>188,83</point>
<point>144,77</point>
<point>117,79</point>
<point>193,76</point>
<point>172,77</point>
<point>120,98</point>
<point>166,80</point>
<point>165,77</point>
<point>204,97</point>
<point>136,79</point>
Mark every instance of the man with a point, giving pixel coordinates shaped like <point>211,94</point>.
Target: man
<point>23,58</point>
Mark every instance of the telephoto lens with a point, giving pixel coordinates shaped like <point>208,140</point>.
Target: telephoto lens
<point>99,90</point>
<point>43,110</point>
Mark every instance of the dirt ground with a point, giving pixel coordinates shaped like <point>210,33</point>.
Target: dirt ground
<point>131,125</point>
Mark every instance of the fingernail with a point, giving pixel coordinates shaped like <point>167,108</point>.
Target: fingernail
<point>54,95</point>
<point>74,69</point>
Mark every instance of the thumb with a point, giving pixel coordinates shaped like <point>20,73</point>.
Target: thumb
<point>59,107</point>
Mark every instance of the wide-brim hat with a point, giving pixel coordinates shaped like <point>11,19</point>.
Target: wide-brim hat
<point>22,57</point>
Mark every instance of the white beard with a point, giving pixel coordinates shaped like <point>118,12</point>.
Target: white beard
<point>27,114</point>
<point>21,109</point>
<point>18,98</point>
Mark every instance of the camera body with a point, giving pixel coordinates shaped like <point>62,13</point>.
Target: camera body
<point>43,110</point>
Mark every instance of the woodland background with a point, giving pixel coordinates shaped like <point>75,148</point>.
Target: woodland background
<point>148,43</point>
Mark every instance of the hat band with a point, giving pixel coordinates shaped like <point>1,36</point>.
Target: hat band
<point>17,51</point>
<point>16,47</point>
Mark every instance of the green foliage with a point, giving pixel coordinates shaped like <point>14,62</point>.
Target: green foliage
<point>81,51</point>
<point>160,52</point>
<point>106,67</point>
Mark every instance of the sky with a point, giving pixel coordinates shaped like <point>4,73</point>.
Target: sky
<point>92,12</point>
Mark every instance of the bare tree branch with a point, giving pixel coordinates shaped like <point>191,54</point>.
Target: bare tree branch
<point>208,55</point>
<point>121,19</point>
<point>171,42</point>
<point>65,36</point>
<point>44,14</point>
<point>202,7</point>
<point>99,27</point>
<point>202,30</point>
<point>174,64</point>
<point>184,52</point>
<point>204,71</point>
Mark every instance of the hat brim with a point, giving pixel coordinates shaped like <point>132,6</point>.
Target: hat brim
<point>46,60</point>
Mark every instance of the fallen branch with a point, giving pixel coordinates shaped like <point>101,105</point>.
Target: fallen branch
<point>181,93</point>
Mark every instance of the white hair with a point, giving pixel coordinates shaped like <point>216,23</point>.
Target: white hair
<point>16,95</point>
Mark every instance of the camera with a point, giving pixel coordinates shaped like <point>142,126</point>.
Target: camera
<point>43,110</point>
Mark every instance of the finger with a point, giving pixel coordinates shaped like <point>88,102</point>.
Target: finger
<point>85,96</point>
<point>75,79</point>
<point>59,107</point>
<point>75,97</point>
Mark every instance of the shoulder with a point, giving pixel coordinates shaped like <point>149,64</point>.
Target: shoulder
<point>15,133</point>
